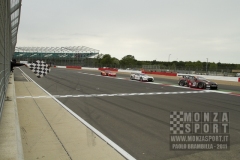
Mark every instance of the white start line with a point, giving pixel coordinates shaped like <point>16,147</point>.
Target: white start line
<point>117,94</point>
<point>128,94</point>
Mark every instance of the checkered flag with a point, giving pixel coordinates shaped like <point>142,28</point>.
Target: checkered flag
<point>40,68</point>
<point>176,122</point>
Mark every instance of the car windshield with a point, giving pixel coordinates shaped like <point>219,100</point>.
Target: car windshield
<point>142,74</point>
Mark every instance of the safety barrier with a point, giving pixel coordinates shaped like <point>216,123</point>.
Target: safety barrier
<point>74,67</point>
<point>60,67</point>
<point>90,68</point>
<point>161,73</point>
<point>129,71</point>
<point>109,69</point>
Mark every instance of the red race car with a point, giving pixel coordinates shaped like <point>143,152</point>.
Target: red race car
<point>108,73</point>
<point>197,82</point>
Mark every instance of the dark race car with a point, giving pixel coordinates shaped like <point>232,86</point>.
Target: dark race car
<point>197,82</point>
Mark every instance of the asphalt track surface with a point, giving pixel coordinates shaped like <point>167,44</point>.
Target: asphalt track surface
<point>173,81</point>
<point>135,115</point>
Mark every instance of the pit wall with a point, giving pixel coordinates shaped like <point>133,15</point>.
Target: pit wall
<point>232,79</point>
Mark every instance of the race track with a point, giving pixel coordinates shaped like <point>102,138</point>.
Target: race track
<point>135,115</point>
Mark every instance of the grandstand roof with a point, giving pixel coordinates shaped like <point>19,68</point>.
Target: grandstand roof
<point>70,49</point>
<point>15,10</point>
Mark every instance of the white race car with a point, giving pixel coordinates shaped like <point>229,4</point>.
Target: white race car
<point>141,77</point>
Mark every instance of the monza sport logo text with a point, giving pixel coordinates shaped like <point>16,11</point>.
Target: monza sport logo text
<point>199,130</point>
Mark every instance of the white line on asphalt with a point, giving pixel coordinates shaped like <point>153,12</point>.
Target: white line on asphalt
<point>33,97</point>
<point>127,94</point>
<point>63,96</point>
<point>25,77</point>
<point>112,95</point>
<point>73,96</point>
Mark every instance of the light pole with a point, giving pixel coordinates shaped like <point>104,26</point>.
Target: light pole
<point>169,57</point>
<point>206,66</point>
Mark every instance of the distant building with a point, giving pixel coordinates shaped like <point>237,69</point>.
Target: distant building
<point>54,55</point>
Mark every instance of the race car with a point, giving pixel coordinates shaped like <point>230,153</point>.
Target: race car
<point>141,77</point>
<point>108,73</point>
<point>197,82</point>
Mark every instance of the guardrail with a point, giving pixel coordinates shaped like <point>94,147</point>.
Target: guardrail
<point>161,73</point>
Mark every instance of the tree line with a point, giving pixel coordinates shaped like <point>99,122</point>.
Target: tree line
<point>129,60</point>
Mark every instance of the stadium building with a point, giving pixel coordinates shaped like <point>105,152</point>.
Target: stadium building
<point>74,55</point>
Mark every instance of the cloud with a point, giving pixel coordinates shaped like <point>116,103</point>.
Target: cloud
<point>188,30</point>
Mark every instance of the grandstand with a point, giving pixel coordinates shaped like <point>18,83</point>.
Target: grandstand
<point>72,55</point>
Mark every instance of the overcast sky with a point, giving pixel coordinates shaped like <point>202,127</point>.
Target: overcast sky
<point>189,30</point>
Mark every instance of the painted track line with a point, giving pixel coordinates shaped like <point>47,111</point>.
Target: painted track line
<point>25,76</point>
<point>102,136</point>
<point>115,94</point>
